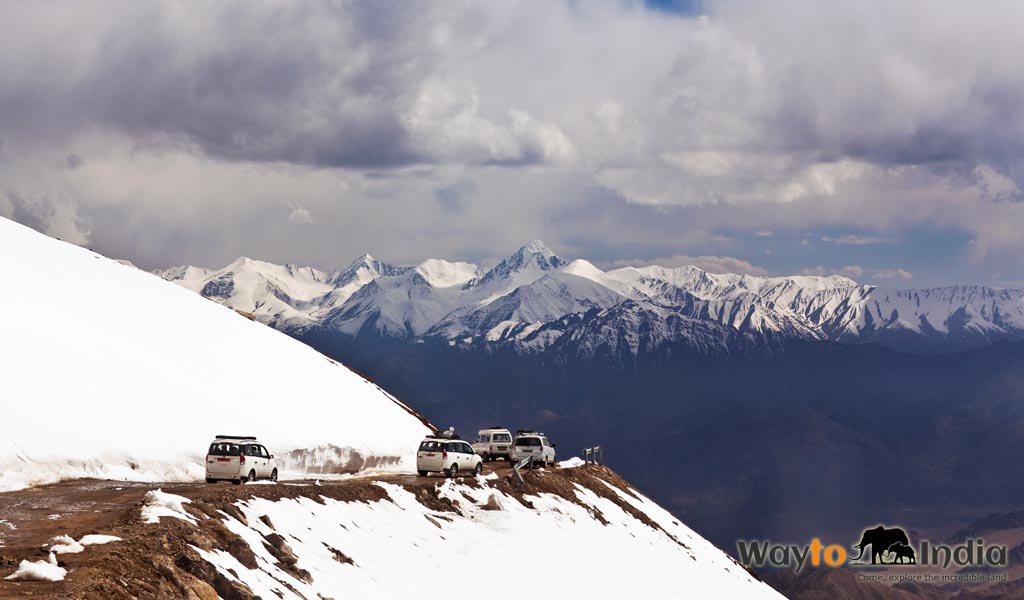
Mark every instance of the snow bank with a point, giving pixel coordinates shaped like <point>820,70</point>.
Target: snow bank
<point>95,539</point>
<point>112,372</point>
<point>159,503</point>
<point>572,462</point>
<point>39,570</point>
<point>65,544</point>
<point>395,547</point>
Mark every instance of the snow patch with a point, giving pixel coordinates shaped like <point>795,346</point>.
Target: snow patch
<point>39,570</point>
<point>433,547</point>
<point>161,504</point>
<point>64,544</point>
<point>95,539</point>
<point>572,462</point>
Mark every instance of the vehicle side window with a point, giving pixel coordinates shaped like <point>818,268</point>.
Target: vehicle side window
<point>263,452</point>
<point>467,449</point>
<point>546,442</point>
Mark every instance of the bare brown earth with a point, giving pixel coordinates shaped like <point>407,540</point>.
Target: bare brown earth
<point>155,560</point>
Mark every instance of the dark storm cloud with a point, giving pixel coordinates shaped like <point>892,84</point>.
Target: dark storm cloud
<point>316,131</point>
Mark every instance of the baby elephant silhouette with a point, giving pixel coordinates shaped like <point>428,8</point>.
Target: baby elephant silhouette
<point>902,553</point>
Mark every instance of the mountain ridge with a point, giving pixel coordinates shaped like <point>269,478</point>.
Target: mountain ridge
<point>456,302</point>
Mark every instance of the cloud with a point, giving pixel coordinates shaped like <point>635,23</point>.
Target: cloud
<point>299,216</point>
<point>851,271</point>
<point>894,274</point>
<point>849,239</point>
<point>461,129</point>
<point>711,264</point>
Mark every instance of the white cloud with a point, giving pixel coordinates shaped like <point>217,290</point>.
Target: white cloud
<point>299,216</point>
<point>894,274</point>
<point>711,264</point>
<point>851,271</point>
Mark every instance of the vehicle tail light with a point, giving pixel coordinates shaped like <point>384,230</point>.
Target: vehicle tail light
<point>241,459</point>
<point>444,454</point>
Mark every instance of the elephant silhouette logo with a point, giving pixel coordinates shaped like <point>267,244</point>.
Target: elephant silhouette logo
<point>902,555</point>
<point>892,542</point>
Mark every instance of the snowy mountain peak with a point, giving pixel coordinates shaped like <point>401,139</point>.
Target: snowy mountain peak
<point>537,247</point>
<point>439,297</point>
<point>441,273</point>
<point>527,264</point>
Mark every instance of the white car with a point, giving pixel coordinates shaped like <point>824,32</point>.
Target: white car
<point>493,443</point>
<point>239,459</point>
<point>451,457</point>
<point>532,443</point>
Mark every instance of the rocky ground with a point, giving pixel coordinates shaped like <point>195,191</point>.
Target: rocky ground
<point>156,560</point>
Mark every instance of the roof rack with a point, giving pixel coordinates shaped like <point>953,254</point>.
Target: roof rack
<point>527,432</point>
<point>234,437</point>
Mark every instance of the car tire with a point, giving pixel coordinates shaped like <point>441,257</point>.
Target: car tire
<point>250,477</point>
<point>209,480</point>
<point>453,470</point>
<point>237,481</point>
<point>273,475</point>
<point>486,457</point>
<point>422,473</point>
<point>479,469</point>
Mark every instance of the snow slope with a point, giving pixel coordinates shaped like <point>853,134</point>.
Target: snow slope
<point>112,372</point>
<point>584,544</point>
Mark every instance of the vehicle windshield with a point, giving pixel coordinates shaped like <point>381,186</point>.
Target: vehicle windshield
<point>431,446</point>
<point>224,449</point>
<point>528,441</point>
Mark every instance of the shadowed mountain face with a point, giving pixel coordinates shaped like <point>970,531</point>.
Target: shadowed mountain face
<point>798,440</point>
<point>754,407</point>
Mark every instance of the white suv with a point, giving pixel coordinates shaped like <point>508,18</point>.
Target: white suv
<point>239,459</point>
<point>443,455</point>
<point>494,443</point>
<point>532,443</point>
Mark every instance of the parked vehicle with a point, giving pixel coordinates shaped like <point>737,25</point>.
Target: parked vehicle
<point>238,459</point>
<point>494,443</point>
<point>535,444</point>
<point>451,457</point>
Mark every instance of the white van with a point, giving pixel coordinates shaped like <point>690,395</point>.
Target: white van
<point>239,459</point>
<point>493,443</point>
<point>451,457</point>
<point>532,443</point>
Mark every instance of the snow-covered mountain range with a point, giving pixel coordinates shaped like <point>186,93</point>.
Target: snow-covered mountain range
<point>534,300</point>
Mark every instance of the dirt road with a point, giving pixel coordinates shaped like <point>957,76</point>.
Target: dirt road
<point>30,519</point>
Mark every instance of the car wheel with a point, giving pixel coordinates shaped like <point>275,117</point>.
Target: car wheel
<point>486,457</point>
<point>208,480</point>
<point>453,470</point>
<point>273,475</point>
<point>422,473</point>
<point>252,476</point>
<point>479,468</point>
<point>237,481</point>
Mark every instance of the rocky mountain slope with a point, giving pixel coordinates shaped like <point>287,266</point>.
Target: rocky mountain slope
<point>535,300</point>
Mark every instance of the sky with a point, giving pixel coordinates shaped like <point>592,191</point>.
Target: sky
<point>879,140</point>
